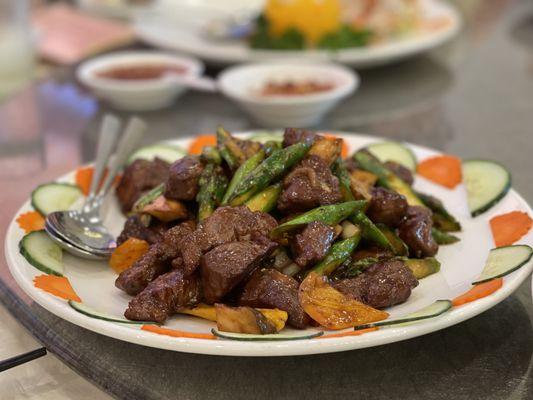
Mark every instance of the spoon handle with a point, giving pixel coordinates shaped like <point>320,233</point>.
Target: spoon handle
<point>106,141</point>
<point>201,83</point>
<point>128,142</point>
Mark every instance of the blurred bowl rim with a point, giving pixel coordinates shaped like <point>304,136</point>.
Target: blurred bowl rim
<point>348,81</point>
<point>85,72</point>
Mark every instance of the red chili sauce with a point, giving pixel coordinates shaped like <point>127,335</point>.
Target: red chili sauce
<point>140,72</point>
<point>291,88</point>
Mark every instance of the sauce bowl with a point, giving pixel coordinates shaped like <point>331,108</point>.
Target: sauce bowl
<point>137,94</point>
<point>244,84</point>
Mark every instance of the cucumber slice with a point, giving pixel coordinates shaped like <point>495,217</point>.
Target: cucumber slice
<point>166,152</point>
<point>90,312</point>
<point>266,136</point>
<point>292,335</point>
<point>504,260</point>
<point>394,151</point>
<point>55,196</point>
<point>41,252</point>
<point>487,182</point>
<point>431,311</point>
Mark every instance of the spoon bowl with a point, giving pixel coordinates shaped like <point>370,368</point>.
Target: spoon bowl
<point>83,233</point>
<point>70,248</point>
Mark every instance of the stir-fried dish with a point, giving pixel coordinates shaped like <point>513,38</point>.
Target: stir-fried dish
<point>261,232</point>
<point>258,235</point>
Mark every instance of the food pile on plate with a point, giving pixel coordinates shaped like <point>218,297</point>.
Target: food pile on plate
<point>262,232</point>
<point>333,24</point>
<point>258,234</point>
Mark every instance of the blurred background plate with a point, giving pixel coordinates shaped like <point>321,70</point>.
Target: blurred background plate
<point>181,26</point>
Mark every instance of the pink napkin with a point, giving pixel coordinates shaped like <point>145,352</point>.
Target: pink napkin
<point>67,36</point>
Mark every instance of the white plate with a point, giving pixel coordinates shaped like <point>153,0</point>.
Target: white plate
<point>461,265</point>
<point>161,30</point>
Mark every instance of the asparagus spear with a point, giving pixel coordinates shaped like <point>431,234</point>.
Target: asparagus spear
<point>371,231</point>
<point>268,171</point>
<point>148,198</point>
<point>442,219</point>
<point>265,200</point>
<point>210,154</point>
<point>271,146</point>
<point>329,215</point>
<point>443,237</point>
<point>339,170</point>
<point>337,254</point>
<point>247,167</point>
<point>398,246</point>
<point>213,184</point>
<point>386,177</point>
<point>223,137</point>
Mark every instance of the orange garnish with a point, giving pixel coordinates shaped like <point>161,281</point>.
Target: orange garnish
<point>349,333</point>
<point>175,333</point>
<point>31,221</point>
<point>444,170</point>
<point>57,285</point>
<point>200,142</point>
<point>508,228</point>
<point>125,255</point>
<point>331,308</point>
<point>84,177</point>
<point>478,292</point>
<point>344,149</point>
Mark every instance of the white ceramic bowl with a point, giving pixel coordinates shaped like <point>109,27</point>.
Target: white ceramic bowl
<point>136,95</point>
<point>242,84</point>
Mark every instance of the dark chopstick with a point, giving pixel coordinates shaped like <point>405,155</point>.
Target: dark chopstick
<point>22,358</point>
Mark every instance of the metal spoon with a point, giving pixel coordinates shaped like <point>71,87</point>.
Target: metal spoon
<point>201,83</point>
<point>82,232</point>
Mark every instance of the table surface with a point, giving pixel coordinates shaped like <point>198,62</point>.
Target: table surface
<point>473,98</point>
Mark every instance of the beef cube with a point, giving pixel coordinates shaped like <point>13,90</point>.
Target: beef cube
<point>382,284</point>
<point>154,262</point>
<point>310,184</point>
<point>224,267</point>
<point>163,297</point>
<point>236,223</point>
<point>415,231</point>
<point>269,288</point>
<point>245,148</point>
<point>183,177</point>
<point>387,207</point>
<point>226,224</point>
<point>134,279</point>
<point>292,136</point>
<point>312,244</point>
<point>134,228</point>
<point>138,177</point>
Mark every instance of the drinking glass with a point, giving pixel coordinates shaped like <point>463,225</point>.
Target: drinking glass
<point>16,47</point>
